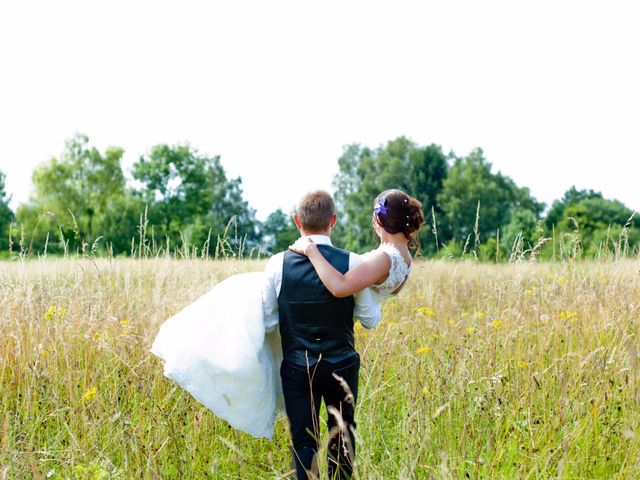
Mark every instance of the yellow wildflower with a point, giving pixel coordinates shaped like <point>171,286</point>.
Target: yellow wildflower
<point>425,311</point>
<point>470,330</point>
<point>90,394</point>
<point>125,322</point>
<point>570,316</point>
<point>51,313</point>
<point>496,324</point>
<point>424,350</point>
<point>393,324</point>
<point>522,364</point>
<point>55,312</point>
<point>425,392</point>
<point>479,315</point>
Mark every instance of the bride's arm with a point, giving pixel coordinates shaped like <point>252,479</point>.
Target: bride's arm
<point>372,271</point>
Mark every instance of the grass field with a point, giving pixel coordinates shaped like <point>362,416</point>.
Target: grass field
<point>476,371</point>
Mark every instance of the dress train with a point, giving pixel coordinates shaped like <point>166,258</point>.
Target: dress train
<point>217,349</point>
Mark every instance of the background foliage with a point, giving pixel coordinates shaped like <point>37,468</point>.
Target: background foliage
<point>179,200</point>
<point>6,215</point>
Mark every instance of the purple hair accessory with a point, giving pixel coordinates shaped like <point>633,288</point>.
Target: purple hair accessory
<point>380,208</point>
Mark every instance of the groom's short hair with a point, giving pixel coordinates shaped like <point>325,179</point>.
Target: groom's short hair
<point>315,211</point>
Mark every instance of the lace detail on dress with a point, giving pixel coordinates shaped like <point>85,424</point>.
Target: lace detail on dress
<point>397,273</point>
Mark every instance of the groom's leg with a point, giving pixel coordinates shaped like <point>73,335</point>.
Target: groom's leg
<point>342,445</point>
<point>302,404</point>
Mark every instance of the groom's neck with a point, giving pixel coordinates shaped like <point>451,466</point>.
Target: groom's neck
<point>326,233</point>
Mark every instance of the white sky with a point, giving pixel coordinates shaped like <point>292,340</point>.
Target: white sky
<point>549,89</point>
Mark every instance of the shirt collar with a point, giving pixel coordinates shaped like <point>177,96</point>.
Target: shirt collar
<point>320,239</point>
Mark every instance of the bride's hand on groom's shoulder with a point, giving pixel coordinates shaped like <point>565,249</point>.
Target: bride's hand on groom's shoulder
<point>301,245</point>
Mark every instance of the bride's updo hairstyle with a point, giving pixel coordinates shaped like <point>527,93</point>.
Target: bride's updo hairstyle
<point>397,212</point>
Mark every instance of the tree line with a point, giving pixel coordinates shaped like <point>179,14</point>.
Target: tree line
<point>182,201</point>
<point>471,209</point>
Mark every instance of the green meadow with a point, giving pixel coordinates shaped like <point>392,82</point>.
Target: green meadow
<point>521,370</point>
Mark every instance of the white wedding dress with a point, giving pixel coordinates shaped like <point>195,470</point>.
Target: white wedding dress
<point>398,273</point>
<point>217,349</point>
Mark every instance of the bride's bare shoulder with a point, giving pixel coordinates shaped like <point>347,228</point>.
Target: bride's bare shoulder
<point>375,256</point>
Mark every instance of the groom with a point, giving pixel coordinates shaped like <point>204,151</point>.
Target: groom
<point>320,361</point>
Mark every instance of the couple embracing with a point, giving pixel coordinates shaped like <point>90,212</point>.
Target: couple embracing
<point>285,335</point>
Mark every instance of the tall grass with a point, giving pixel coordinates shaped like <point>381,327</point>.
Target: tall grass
<point>519,370</point>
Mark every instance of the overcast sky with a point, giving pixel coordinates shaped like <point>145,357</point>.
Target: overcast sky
<point>549,89</point>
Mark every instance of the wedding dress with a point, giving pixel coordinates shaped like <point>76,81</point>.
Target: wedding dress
<point>217,349</point>
<point>398,273</point>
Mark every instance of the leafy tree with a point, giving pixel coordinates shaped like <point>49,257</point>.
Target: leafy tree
<point>188,196</point>
<point>72,194</point>
<point>522,231</point>
<point>594,211</point>
<point>592,215</point>
<point>353,199</point>
<point>6,215</point>
<point>364,173</point>
<point>615,240</point>
<point>235,207</point>
<point>280,231</point>
<point>470,181</point>
<point>121,221</point>
<point>570,197</point>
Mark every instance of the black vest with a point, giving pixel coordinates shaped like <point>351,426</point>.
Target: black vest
<point>313,322</point>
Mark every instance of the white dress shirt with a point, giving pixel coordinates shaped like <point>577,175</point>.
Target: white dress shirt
<point>366,308</point>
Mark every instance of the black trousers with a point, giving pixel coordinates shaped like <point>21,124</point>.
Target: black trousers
<point>304,388</point>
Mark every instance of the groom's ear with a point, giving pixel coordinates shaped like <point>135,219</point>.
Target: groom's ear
<point>296,220</point>
<point>334,219</point>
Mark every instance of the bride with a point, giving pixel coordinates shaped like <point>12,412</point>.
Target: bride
<point>221,351</point>
<point>397,218</point>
